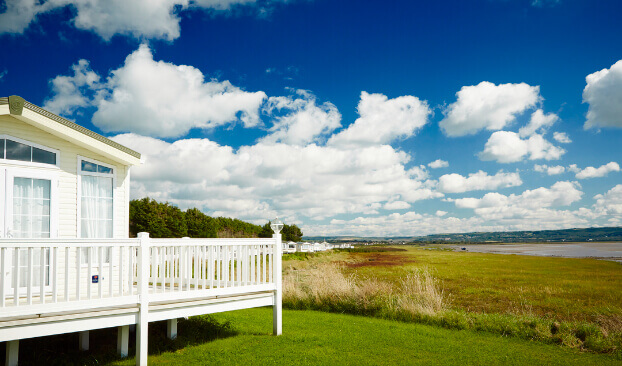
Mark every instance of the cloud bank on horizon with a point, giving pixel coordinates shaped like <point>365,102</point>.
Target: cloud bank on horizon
<point>310,166</point>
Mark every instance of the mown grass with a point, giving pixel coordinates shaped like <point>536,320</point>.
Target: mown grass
<point>63,349</point>
<point>317,338</point>
<point>495,293</point>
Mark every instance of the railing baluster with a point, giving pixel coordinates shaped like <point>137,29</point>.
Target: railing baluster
<point>253,262</point>
<point>181,268</point>
<point>30,275</point>
<point>170,268</point>
<point>228,266</point>
<point>78,270</point>
<point>16,273</point>
<point>196,266</point>
<point>271,264</point>
<point>205,263</point>
<point>42,275</point>
<point>162,276</point>
<point>90,272</point>
<point>54,270</point>
<point>121,250</point>
<point>130,268</point>
<point>66,288</point>
<point>265,268</point>
<point>245,264</point>
<point>231,265</point>
<point>210,266</point>
<point>100,273</point>
<point>110,278</point>
<point>188,270</point>
<point>237,266</point>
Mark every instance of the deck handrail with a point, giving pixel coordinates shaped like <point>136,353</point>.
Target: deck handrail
<point>178,268</point>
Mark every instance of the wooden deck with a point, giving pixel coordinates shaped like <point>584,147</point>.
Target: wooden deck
<point>133,281</point>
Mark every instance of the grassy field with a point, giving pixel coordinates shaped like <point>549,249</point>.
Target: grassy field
<point>317,338</point>
<point>563,288</point>
<point>575,302</point>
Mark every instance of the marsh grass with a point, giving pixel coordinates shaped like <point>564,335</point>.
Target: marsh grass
<point>418,297</point>
<point>325,287</point>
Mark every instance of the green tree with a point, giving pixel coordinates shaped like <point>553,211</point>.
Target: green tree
<point>266,231</point>
<point>160,220</point>
<point>291,233</point>
<point>199,224</point>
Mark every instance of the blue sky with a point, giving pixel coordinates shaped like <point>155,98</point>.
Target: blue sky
<point>344,117</point>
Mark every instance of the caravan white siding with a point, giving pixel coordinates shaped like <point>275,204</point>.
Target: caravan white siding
<point>68,179</point>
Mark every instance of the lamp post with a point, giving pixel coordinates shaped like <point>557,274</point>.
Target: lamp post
<point>277,225</point>
<point>277,309</point>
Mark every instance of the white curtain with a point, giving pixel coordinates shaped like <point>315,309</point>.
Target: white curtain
<point>96,211</point>
<point>31,208</point>
<point>89,206</point>
<point>31,219</point>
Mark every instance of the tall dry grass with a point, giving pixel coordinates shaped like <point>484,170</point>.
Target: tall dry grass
<point>325,287</point>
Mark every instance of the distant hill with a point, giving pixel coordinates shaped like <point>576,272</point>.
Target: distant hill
<point>587,234</point>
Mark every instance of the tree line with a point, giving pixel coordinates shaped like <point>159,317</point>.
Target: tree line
<point>163,220</point>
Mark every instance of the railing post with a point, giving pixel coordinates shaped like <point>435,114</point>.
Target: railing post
<point>142,329</point>
<point>277,309</point>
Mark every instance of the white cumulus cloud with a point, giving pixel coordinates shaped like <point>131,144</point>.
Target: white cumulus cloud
<point>550,170</point>
<point>154,98</point>
<point>73,92</point>
<point>456,183</point>
<point>383,120</point>
<point>508,147</point>
<point>438,163</point>
<point>610,203</point>
<point>260,180</point>
<point>396,205</point>
<point>487,106</point>
<point>603,170</point>
<point>303,121</point>
<point>535,209</point>
<point>561,137</point>
<point>539,122</point>
<point>603,93</point>
<point>153,19</point>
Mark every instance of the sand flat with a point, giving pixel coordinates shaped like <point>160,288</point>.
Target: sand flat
<point>599,250</point>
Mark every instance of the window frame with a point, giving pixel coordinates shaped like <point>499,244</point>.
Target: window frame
<point>79,174</point>
<point>31,144</point>
<point>12,173</point>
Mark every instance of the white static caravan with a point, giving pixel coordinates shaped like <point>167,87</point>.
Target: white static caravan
<point>76,181</point>
<point>289,247</point>
<point>66,261</point>
<point>304,247</point>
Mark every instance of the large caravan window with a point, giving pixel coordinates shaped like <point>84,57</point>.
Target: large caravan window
<point>96,199</point>
<point>12,148</point>
<point>96,203</point>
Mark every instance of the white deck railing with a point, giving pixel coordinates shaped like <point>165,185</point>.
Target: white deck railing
<point>69,278</point>
<point>48,275</point>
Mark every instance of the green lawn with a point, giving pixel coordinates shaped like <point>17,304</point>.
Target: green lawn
<point>317,338</point>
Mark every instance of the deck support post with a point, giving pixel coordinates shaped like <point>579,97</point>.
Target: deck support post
<point>171,328</point>
<point>277,308</point>
<point>12,353</point>
<point>123,340</point>
<point>84,340</point>
<point>142,328</point>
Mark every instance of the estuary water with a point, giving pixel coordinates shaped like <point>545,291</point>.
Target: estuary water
<point>607,251</point>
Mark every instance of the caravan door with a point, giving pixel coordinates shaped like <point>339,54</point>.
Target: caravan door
<point>28,207</point>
